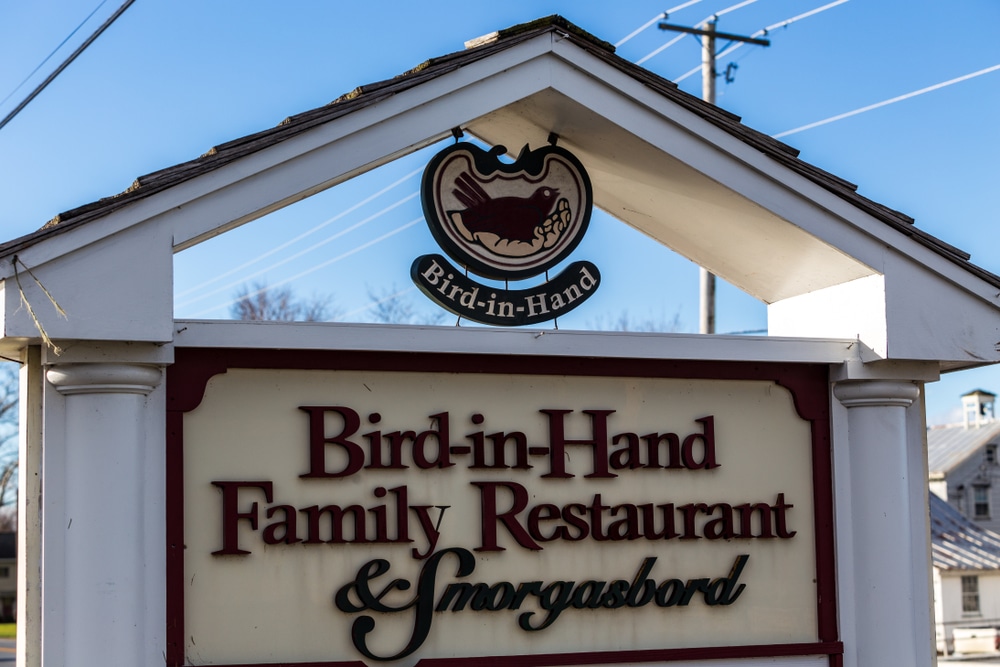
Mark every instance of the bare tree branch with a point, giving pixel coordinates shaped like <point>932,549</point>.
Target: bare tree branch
<point>9,388</point>
<point>390,307</point>
<point>624,321</point>
<point>260,303</point>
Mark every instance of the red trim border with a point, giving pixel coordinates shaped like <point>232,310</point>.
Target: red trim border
<point>809,385</point>
<point>652,655</point>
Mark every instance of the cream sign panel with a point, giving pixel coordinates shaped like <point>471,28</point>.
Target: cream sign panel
<point>362,516</point>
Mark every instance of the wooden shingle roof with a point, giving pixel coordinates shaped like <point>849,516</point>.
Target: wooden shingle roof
<point>364,96</point>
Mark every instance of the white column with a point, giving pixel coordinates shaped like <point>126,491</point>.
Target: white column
<point>887,632</point>
<point>105,554</point>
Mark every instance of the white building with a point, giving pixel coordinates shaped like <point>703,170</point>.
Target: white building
<point>963,464</point>
<point>966,573</point>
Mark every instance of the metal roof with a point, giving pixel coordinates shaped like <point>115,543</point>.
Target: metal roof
<point>959,544</point>
<point>364,96</point>
<point>948,446</point>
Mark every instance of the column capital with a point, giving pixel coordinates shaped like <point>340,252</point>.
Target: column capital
<point>876,393</point>
<point>104,378</point>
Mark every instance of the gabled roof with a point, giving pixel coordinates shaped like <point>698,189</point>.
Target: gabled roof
<point>370,94</point>
<point>949,446</point>
<point>828,262</point>
<point>959,544</point>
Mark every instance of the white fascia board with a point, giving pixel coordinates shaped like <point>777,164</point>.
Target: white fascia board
<point>725,159</point>
<point>933,319</point>
<point>782,191</point>
<point>372,136</point>
<point>424,114</point>
<point>906,314</point>
<point>370,146</point>
<point>853,310</point>
<point>117,289</point>
<point>475,340</point>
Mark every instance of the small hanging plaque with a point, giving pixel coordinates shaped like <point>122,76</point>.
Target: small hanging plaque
<point>506,221</point>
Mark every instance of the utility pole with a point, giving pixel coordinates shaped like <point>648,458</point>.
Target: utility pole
<point>706,309</point>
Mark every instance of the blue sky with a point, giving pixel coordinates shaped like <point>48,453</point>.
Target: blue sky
<point>171,79</point>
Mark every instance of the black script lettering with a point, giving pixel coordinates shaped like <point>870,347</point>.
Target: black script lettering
<point>724,590</point>
<point>588,595</point>
<point>555,598</point>
<point>614,598</point>
<point>642,589</point>
<point>669,593</point>
<point>363,595</point>
<point>422,602</point>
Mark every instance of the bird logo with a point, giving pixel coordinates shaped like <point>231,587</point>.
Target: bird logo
<point>506,220</point>
<point>510,226</point>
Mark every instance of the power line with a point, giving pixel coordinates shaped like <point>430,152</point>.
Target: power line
<point>658,17</point>
<point>787,22</point>
<point>702,22</point>
<point>887,102</point>
<point>661,49</point>
<point>66,63</point>
<point>317,267</point>
<point>46,59</point>
<point>295,256</point>
<point>764,31</point>
<point>739,5</point>
<point>784,24</point>
<point>303,235</point>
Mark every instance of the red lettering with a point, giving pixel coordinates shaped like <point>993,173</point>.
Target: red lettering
<point>558,442</point>
<point>491,517</point>
<point>231,515</point>
<point>318,441</point>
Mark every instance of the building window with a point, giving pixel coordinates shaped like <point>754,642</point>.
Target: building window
<point>4,572</point>
<point>981,502</point>
<point>970,594</point>
<point>991,454</point>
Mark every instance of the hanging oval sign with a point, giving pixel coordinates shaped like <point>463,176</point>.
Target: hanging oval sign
<point>502,220</point>
<point>506,221</point>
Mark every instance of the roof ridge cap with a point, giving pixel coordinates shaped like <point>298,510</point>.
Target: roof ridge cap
<point>550,22</point>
